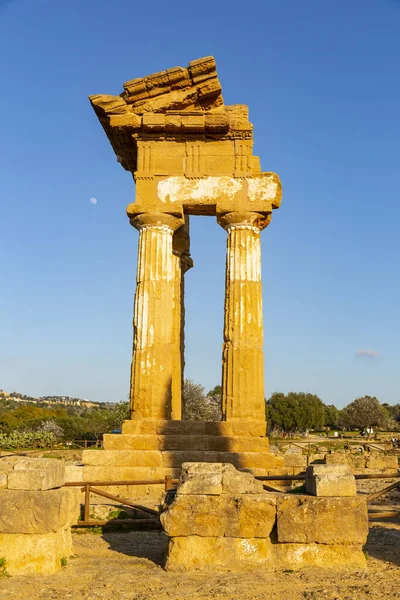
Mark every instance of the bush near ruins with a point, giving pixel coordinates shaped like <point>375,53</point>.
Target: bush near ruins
<point>199,406</point>
<point>28,439</point>
<point>24,425</point>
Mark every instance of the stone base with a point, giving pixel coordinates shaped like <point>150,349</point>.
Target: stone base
<point>223,520</point>
<point>152,450</point>
<point>240,554</point>
<point>28,554</point>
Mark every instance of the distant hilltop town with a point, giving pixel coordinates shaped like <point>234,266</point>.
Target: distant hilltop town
<point>60,400</point>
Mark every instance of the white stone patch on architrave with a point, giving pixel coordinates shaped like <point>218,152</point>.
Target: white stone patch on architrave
<point>180,189</point>
<point>261,189</point>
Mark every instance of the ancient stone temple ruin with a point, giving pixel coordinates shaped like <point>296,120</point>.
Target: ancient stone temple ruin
<point>189,154</point>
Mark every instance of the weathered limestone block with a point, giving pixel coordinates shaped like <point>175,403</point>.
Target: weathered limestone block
<point>217,553</point>
<point>334,556</point>
<point>33,473</point>
<point>295,460</point>
<point>200,514</point>
<point>3,481</point>
<point>380,461</point>
<point>235,482</point>
<point>259,460</point>
<point>201,478</point>
<point>359,461</point>
<point>330,480</point>
<point>32,512</point>
<point>35,554</point>
<point>238,444</point>
<point>306,519</point>
<point>243,515</point>
<point>338,458</point>
<point>73,473</point>
<point>215,479</point>
<point>255,516</point>
<point>99,473</point>
<point>175,458</point>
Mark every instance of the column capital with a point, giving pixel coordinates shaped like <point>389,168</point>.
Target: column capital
<point>156,221</point>
<point>255,221</point>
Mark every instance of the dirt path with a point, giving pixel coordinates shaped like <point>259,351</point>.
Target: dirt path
<point>122,566</point>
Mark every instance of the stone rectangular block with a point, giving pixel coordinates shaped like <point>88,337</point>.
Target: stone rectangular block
<point>122,458</point>
<point>155,442</point>
<point>36,474</point>
<point>250,428</point>
<point>23,511</point>
<point>306,519</point>
<point>330,480</point>
<point>382,462</point>
<point>220,428</point>
<point>175,458</point>
<point>234,482</point>
<point>3,481</point>
<point>201,484</point>
<point>217,553</point>
<point>248,515</point>
<point>73,473</point>
<point>295,460</point>
<point>37,553</point>
<point>201,514</point>
<point>338,458</point>
<point>238,444</point>
<point>257,460</point>
<point>333,556</point>
<point>108,473</point>
<point>254,517</point>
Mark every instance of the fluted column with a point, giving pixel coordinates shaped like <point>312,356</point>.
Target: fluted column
<point>153,345</point>
<point>242,359</point>
<point>182,262</point>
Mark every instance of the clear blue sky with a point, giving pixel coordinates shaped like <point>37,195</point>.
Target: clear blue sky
<point>322,83</point>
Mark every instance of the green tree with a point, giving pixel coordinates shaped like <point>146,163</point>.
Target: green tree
<point>362,413</point>
<point>331,416</point>
<point>295,411</point>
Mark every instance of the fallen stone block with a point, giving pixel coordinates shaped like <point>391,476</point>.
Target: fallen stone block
<point>330,480</point>
<point>306,519</point>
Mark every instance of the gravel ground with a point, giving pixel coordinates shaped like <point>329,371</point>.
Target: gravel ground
<point>122,566</point>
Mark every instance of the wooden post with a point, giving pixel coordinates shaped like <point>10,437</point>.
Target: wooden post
<point>168,483</point>
<point>86,513</point>
<point>85,444</point>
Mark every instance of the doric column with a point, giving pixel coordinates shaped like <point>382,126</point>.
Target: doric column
<point>182,262</point>
<point>242,359</point>
<point>153,345</point>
